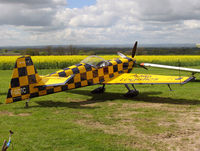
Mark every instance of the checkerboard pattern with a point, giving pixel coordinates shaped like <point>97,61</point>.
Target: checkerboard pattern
<point>25,77</point>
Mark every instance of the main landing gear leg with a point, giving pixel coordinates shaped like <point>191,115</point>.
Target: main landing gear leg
<point>26,105</point>
<point>131,93</point>
<point>99,90</point>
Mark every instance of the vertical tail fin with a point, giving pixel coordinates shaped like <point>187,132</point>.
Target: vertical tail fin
<point>23,79</point>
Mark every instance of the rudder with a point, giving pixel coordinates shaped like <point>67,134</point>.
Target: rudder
<point>23,79</point>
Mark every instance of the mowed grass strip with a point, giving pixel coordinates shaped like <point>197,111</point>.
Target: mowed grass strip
<point>77,120</point>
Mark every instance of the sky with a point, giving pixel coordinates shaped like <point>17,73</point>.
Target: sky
<point>64,22</point>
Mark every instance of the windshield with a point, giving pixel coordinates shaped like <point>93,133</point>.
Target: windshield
<point>95,61</point>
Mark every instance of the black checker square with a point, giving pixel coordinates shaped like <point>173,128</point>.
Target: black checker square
<point>41,88</point>
<point>125,66</point>
<point>78,85</point>
<point>62,74</point>
<point>83,76</point>
<point>25,90</point>
<point>105,70</point>
<point>64,88</point>
<point>95,73</point>
<point>88,67</point>
<point>120,72</point>
<point>22,71</point>
<point>31,79</point>
<point>15,82</point>
<point>36,94</point>
<point>9,94</point>
<point>15,99</point>
<point>29,62</point>
<point>111,75</point>
<point>115,68</point>
<point>129,59</point>
<point>90,82</point>
<point>75,70</point>
<point>110,64</point>
<point>71,80</point>
<point>101,79</point>
<point>50,91</point>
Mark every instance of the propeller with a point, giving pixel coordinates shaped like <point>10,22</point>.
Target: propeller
<point>133,55</point>
<point>134,49</point>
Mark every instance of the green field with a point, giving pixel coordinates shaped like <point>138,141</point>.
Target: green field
<point>76,120</point>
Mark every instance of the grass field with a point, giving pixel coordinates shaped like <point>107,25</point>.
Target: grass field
<point>76,120</point>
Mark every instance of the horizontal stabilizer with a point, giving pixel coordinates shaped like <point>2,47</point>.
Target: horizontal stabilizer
<point>53,81</point>
<point>129,78</point>
<point>171,67</point>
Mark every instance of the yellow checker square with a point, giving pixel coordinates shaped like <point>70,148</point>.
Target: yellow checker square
<point>23,81</point>
<point>57,89</point>
<point>71,86</point>
<point>32,88</point>
<point>15,73</point>
<point>116,74</point>
<point>120,67</point>
<point>100,72</point>
<point>43,92</point>
<point>110,69</point>
<point>84,83</point>
<point>38,78</point>
<point>113,62</point>
<point>30,70</point>
<point>96,80</point>
<point>21,62</point>
<point>9,100</point>
<point>106,77</point>
<point>69,72</point>
<point>131,63</point>
<point>81,69</point>
<point>77,78</point>
<point>25,96</point>
<point>89,75</point>
<point>71,67</point>
<point>16,92</point>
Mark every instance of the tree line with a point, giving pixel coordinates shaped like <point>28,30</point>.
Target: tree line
<point>73,50</point>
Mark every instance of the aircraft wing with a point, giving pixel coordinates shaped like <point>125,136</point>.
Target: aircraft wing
<point>53,81</point>
<point>171,67</point>
<point>129,78</point>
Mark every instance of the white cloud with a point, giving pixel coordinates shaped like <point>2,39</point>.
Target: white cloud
<point>108,21</point>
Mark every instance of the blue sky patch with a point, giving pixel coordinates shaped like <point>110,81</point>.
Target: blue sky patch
<point>80,3</point>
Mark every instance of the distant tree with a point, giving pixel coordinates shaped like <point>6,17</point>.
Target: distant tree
<point>31,52</point>
<point>48,49</point>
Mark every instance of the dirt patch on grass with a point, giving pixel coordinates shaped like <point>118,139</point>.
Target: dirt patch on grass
<point>3,113</point>
<point>182,126</point>
<point>6,113</point>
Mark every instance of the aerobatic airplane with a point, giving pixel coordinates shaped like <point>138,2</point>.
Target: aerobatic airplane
<point>26,83</point>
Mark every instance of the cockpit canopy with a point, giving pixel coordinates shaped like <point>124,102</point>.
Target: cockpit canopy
<point>95,61</point>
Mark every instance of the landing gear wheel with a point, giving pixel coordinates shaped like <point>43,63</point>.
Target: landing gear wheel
<point>131,93</point>
<point>26,105</point>
<point>98,90</point>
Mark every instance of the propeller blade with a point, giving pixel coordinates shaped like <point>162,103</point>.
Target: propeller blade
<point>134,50</point>
<point>121,55</point>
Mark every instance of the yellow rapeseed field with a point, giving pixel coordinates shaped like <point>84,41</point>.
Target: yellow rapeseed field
<point>53,62</point>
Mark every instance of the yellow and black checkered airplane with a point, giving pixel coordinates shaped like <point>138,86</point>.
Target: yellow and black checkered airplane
<point>26,83</point>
